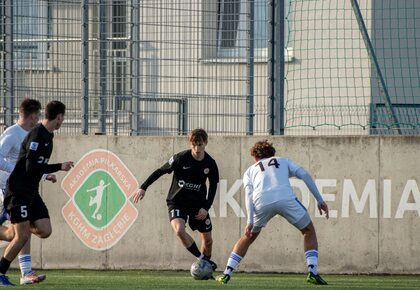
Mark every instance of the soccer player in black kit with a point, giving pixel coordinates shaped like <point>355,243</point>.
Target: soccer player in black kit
<point>28,213</point>
<point>188,199</point>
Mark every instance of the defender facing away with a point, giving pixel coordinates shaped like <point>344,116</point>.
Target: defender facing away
<point>268,193</point>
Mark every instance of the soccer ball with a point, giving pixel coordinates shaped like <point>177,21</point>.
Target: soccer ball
<point>201,270</point>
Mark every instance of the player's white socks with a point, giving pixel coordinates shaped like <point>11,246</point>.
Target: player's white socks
<point>312,261</point>
<point>25,264</point>
<point>232,263</point>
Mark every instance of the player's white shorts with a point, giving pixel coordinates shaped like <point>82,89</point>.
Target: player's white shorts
<point>291,209</point>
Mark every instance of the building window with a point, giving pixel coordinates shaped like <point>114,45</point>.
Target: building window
<point>119,54</point>
<point>232,28</point>
<point>30,34</point>
<point>119,24</point>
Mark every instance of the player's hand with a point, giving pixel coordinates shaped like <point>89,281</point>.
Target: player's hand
<point>248,229</point>
<point>202,214</point>
<point>323,207</point>
<point>66,166</point>
<point>139,195</point>
<point>51,177</point>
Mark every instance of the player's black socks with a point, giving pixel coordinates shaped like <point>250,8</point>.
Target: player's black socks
<point>193,249</point>
<point>213,264</point>
<point>4,265</point>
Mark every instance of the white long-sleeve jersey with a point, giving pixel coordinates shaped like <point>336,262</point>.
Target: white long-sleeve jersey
<point>10,143</point>
<point>267,181</point>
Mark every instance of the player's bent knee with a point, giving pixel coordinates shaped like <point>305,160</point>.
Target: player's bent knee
<point>308,230</point>
<point>248,240</point>
<point>180,231</point>
<point>44,234</point>
<point>8,233</point>
<point>10,236</point>
<point>41,228</point>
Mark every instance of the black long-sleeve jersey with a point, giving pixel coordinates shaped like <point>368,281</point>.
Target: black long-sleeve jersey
<point>32,163</point>
<point>188,186</point>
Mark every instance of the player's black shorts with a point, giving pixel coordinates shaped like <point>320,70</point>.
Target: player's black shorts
<point>188,214</point>
<point>29,207</point>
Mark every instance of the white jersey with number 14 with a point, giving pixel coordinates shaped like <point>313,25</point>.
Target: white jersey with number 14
<point>268,180</point>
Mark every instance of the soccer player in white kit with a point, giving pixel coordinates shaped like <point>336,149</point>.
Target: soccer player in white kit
<point>10,143</point>
<point>268,193</point>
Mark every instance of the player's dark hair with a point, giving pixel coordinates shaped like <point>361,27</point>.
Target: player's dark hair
<point>262,149</point>
<point>29,106</point>
<point>197,136</point>
<point>54,108</point>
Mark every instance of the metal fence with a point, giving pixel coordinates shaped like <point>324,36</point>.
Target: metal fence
<point>163,67</point>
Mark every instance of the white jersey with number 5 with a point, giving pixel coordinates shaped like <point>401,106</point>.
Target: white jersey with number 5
<point>268,180</point>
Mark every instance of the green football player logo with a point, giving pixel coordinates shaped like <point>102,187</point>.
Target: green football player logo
<point>99,210</point>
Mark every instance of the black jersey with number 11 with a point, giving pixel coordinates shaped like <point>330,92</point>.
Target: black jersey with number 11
<point>188,186</point>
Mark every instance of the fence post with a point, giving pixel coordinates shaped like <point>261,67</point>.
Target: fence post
<point>135,57</point>
<point>276,67</point>
<point>8,63</point>
<point>85,67</point>
<point>250,64</point>
<point>116,100</point>
<point>102,67</point>
<point>183,116</point>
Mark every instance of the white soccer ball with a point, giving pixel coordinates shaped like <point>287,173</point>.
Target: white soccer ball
<point>201,270</point>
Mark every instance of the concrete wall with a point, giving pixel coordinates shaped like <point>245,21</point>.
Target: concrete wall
<point>371,184</point>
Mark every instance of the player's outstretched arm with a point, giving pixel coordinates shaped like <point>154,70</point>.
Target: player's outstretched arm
<point>141,192</point>
<point>139,195</point>
<point>310,183</point>
<point>304,175</point>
